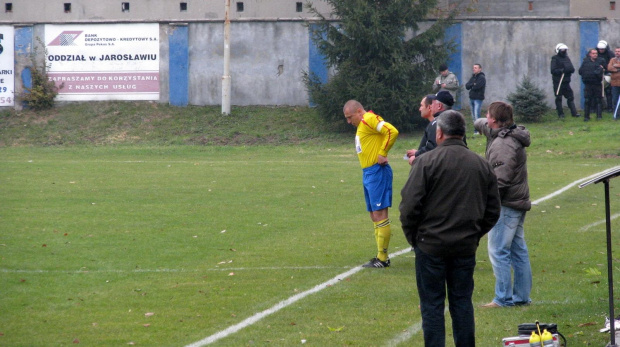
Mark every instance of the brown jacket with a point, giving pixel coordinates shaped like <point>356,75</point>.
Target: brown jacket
<point>506,153</point>
<point>614,68</point>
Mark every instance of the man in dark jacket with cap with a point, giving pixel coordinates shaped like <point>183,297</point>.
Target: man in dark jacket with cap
<point>591,72</point>
<point>442,101</point>
<point>561,71</point>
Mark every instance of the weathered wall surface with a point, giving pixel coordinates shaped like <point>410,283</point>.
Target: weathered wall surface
<point>510,50</point>
<point>268,57</point>
<point>266,61</point>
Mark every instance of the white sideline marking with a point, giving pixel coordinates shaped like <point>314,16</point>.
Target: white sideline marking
<point>585,228</point>
<point>409,333</point>
<point>85,271</point>
<point>282,304</point>
<point>558,192</point>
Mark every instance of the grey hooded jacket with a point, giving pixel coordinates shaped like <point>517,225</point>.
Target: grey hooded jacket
<point>506,154</point>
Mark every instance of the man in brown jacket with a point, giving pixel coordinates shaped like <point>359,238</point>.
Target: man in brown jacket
<point>506,143</point>
<point>614,68</point>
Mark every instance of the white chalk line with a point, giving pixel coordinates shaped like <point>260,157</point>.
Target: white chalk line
<point>585,228</point>
<point>409,333</point>
<point>264,268</point>
<point>558,192</point>
<point>282,304</point>
<point>398,339</point>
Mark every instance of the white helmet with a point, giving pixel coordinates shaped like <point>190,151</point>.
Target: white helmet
<point>602,44</point>
<point>559,47</point>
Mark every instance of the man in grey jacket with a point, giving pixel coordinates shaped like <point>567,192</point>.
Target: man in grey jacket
<point>449,202</point>
<point>446,80</point>
<point>506,143</point>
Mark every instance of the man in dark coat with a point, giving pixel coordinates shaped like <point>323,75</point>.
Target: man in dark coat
<point>591,72</point>
<point>449,202</point>
<point>561,71</point>
<point>476,86</point>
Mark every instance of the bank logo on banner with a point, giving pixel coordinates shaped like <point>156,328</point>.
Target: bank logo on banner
<point>66,38</point>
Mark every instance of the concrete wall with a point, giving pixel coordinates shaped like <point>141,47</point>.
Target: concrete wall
<point>53,11</point>
<point>268,57</point>
<point>526,8</point>
<point>266,62</point>
<point>509,50</point>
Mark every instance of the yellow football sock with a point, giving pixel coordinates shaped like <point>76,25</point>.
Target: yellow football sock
<point>383,233</point>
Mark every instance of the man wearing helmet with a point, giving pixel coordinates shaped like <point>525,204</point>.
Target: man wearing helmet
<point>561,70</point>
<point>606,54</point>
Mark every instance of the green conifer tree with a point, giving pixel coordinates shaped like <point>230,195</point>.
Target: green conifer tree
<point>380,56</point>
<point>528,101</point>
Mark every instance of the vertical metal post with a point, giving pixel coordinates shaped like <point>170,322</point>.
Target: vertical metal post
<point>610,275</point>
<point>226,82</point>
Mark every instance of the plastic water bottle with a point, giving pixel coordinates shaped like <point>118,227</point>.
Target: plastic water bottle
<point>535,340</point>
<point>547,339</point>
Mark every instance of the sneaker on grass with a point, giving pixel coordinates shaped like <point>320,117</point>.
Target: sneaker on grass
<point>608,324</point>
<point>375,262</point>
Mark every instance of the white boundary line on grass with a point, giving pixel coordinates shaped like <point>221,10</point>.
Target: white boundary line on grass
<point>585,228</point>
<point>558,192</point>
<point>282,304</point>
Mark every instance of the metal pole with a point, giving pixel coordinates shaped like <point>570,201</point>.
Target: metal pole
<point>610,276</point>
<point>226,82</point>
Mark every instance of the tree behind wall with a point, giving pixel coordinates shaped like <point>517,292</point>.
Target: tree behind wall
<point>380,58</point>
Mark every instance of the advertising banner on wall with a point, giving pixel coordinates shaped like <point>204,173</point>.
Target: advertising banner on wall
<point>103,61</point>
<point>7,65</point>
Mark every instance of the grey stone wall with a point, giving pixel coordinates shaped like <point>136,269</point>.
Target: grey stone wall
<point>266,63</point>
<point>509,50</point>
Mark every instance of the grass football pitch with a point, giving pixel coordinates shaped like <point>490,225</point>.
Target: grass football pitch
<point>247,246</point>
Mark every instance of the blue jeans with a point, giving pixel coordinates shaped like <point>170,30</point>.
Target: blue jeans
<point>615,92</point>
<point>507,249</point>
<point>433,274</point>
<point>475,105</point>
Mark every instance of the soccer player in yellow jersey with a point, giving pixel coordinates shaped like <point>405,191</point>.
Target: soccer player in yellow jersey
<point>373,140</point>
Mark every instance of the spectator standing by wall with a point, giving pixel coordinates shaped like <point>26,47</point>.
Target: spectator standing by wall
<point>476,86</point>
<point>446,80</point>
<point>506,143</point>
<point>561,70</point>
<point>591,72</point>
<point>614,68</point>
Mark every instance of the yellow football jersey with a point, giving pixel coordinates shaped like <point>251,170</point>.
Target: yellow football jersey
<point>374,137</point>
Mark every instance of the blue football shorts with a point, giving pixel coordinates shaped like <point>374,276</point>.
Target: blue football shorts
<point>377,181</point>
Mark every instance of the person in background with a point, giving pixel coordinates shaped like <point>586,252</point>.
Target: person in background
<point>373,140</point>
<point>441,102</point>
<point>614,68</point>
<point>476,86</point>
<point>426,113</point>
<point>605,53</point>
<point>561,70</point>
<point>449,201</point>
<point>591,72</point>
<point>447,81</point>
<point>505,151</point>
